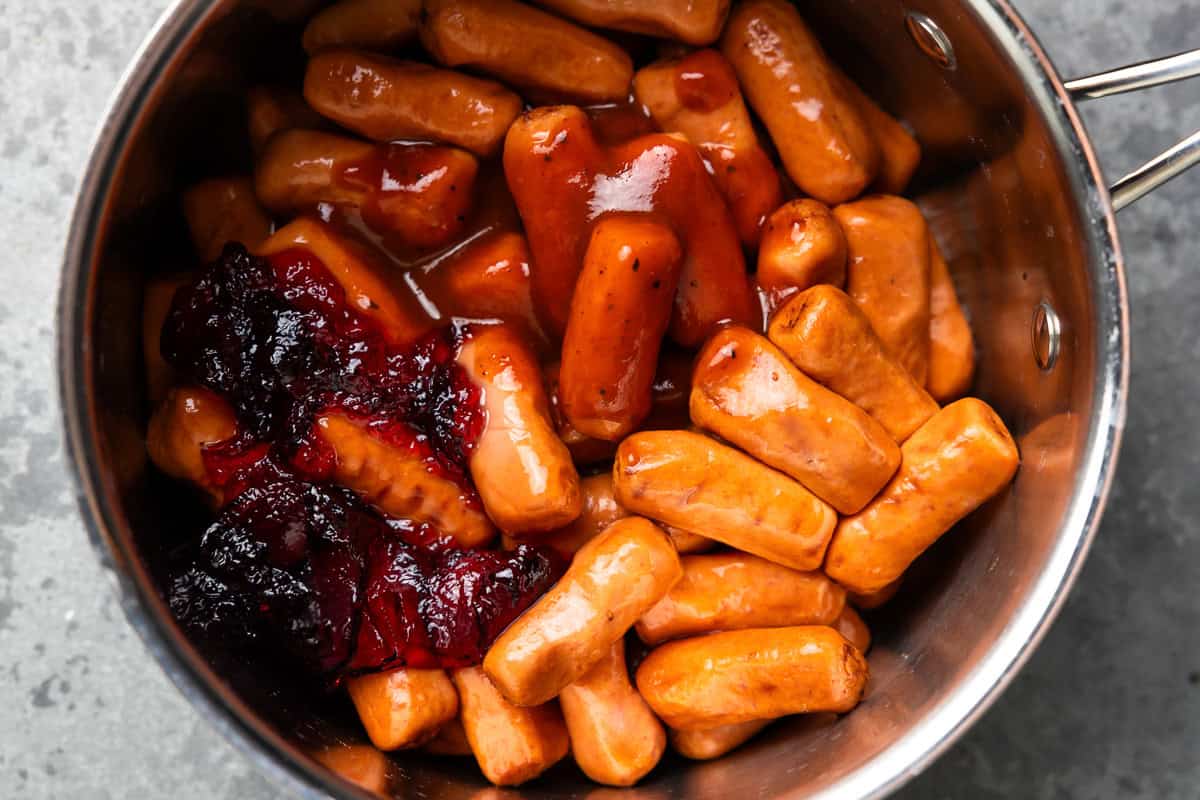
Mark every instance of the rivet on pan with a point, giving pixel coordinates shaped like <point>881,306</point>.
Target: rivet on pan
<point>1047,335</point>
<point>932,40</point>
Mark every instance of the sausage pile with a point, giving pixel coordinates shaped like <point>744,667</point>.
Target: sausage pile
<point>627,286</point>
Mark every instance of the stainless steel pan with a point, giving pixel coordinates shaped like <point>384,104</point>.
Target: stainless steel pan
<point>1015,197</point>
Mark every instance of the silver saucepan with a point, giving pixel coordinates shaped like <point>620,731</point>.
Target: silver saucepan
<point>1018,203</point>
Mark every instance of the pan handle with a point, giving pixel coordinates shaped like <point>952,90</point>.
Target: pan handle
<point>1168,164</point>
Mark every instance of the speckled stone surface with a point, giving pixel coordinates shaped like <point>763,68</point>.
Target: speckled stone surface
<point>1108,707</point>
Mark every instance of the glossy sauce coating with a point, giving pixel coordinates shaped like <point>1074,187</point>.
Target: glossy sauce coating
<point>222,210</point>
<point>695,22</point>
<point>615,737</point>
<point>370,24</point>
<point>156,304</point>
<point>888,274</point>
<point>899,153</point>
<point>612,581</point>
<point>188,420</point>
<point>271,109</point>
<point>728,591</point>
<point>748,392</point>
<point>851,626</point>
<point>698,96</point>
<point>692,482</point>
<point>619,312</point>
<point>386,99</point>
<point>600,509</point>
<point>824,143</point>
<point>404,707</point>
<point>704,744</point>
<point>523,471</point>
<point>526,47</point>
<point>400,482</point>
<point>512,744</point>
<point>361,764</point>
<point>802,246</point>
<point>829,337</point>
<point>951,346</point>
<point>953,464</point>
<point>687,542</point>
<point>759,673</point>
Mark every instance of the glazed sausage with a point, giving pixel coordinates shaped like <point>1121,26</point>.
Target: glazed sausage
<point>953,464</point>
<point>600,509</point>
<point>899,153</point>
<point>887,274</point>
<point>759,673</point>
<point>829,337</point>
<point>358,271</point>
<point>450,740</point>
<point>695,22</point>
<point>692,482</point>
<point>704,744</point>
<point>802,246</point>
<point>528,48</point>
<point>951,347</point>
<point>418,193</point>
<point>612,581</point>
<point>823,141</point>
<point>370,24</point>
<point>698,96</point>
<point>619,313</point>
<point>851,626</point>
<point>874,599</point>
<point>615,737</point>
<point>385,99</point>
<point>224,210</point>
<point>398,482</point>
<point>584,449</point>
<point>512,744</point>
<point>687,542</point>
<point>156,305</point>
<point>270,109</point>
<point>188,420</point>
<point>729,591</point>
<point>523,471</point>
<point>747,392</point>
<point>404,707</point>
<point>360,764</point>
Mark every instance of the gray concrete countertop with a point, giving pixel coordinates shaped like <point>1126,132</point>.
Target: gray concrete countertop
<point>1108,707</point>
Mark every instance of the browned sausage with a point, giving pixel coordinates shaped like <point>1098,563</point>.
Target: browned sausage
<point>371,24</point>
<point>188,420</point>
<point>404,707</point>
<point>523,471</point>
<point>692,482</point>
<point>874,599</point>
<point>824,142</point>
<point>270,109</point>
<point>954,463</point>
<point>385,99</point>
<point>759,673</point>
<point>899,153</point>
<point>695,22</point>
<point>619,312</point>
<point>888,274</point>
<point>512,744</point>
<point>729,591</point>
<point>851,626</point>
<point>600,509</point>
<point>688,542</point>
<point>951,348</point>
<point>528,48</point>
<point>156,305</point>
<point>615,737</point>
<point>829,337</point>
<point>703,744</point>
<point>584,449</point>
<point>746,391</point>
<point>360,764</point>
<point>613,580</point>
<point>224,210</point>
<point>802,246</point>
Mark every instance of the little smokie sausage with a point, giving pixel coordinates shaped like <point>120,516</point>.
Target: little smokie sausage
<point>851,626</point>
<point>600,509</point>
<point>694,22</point>
<point>223,210</point>
<point>360,764</point>
<point>823,141</point>
<point>397,481</point>
<point>951,347</point>
<point>385,99</point>
<point>584,449</point>
<point>619,312</point>
<point>870,600</point>
<point>270,109</point>
<point>692,482</point>
<point>612,581</point>
<point>703,744</point>
<point>888,274</point>
<point>521,468</point>
<point>688,542</point>
<point>418,193</point>
<point>512,744</point>
<point>530,49</point>
<point>802,245</point>
<point>156,305</point>
<point>698,96</point>
<point>899,153</point>
<point>370,24</point>
<point>760,673</point>
<point>746,391</point>
<point>729,591</point>
<point>615,737</point>
<point>404,707</point>
<point>829,337</point>
<point>953,464</point>
<point>188,420</point>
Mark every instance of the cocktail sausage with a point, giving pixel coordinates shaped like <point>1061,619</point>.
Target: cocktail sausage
<point>802,245</point>
<point>371,24</point>
<point>188,420</point>
<point>222,210</point>
<point>951,347</point>
<point>404,707</point>
<point>694,22</point>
